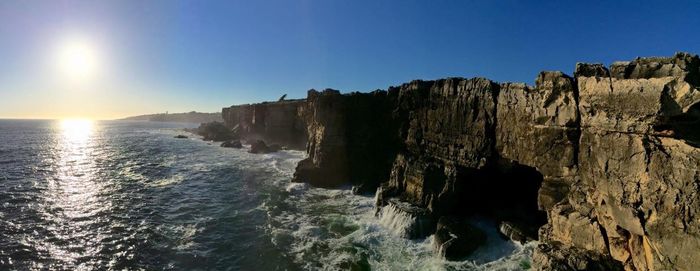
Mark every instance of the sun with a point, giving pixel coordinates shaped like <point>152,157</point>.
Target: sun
<point>76,129</point>
<point>76,59</point>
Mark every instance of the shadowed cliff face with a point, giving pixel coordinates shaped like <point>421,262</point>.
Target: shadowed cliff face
<point>352,139</point>
<point>274,122</point>
<point>605,164</point>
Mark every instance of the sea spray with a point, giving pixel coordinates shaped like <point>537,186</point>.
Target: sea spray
<point>406,220</point>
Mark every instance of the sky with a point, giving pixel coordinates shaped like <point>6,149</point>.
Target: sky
<point>177,56</point>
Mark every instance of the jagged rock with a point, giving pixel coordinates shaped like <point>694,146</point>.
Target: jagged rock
<point>639,180</point>
<point>450,119</point>
<point>351,139</point>
<point>572,228</point>
<point>539,127</point>
<point>447,127</point>
<point>274,122</point>
<point>456,239</point>
<point>259,146</point>
<point>682,65</point>
<point>406,219</point>
<point>612,155</point>
<point>553,191</point>
<point>181,136</point>
<point>232,144</point>
<point>215,131</point>
<point>516,232</point>
<point>640,95</point>
<point>556,257</point>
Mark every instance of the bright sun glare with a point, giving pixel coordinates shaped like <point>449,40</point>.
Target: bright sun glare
<point>77,59</point>
<point>76,129</point>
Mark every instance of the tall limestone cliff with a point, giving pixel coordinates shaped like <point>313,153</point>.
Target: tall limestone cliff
<point>603,168</point>
<point>274,122</point>
<point>351,139</point>
<point>639,165</point>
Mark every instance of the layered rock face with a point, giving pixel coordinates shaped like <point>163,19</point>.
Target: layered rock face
<point>447,130</point>
<point>351,139</point>
<point>603,168</point>
<point>274,122</point>
<point>639,166</point>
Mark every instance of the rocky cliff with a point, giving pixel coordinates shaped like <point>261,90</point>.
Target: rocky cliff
<point>274,122</point>
<point>351,139</point>
<point>636,192</point>
<point>603,168</point>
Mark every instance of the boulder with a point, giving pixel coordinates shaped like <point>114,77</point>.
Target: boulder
<point>232,144</point>
<point>215,131</point>
<point>455,238</point>
<point>517,232</point>
<point>259,146</point>
<point>181,136</point>
<point>406,220</point>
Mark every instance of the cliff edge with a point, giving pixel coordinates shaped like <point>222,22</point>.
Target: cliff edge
<point>601,167</point>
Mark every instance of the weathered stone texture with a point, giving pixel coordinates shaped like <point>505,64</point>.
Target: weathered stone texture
<point>351,139</point>
<point>274,122</point>
<point>538,127</point>
<point>639,181</point>
<point>613,155</point>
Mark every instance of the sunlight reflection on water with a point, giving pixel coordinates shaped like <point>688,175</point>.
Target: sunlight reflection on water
<point>74,193</point>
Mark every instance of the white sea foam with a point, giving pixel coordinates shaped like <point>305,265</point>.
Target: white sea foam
<point>396,220</point>
<point>331,229</point>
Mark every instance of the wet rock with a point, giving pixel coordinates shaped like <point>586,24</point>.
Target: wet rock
<point>517,232</point>
<point>181,136</point>
<point>260,147</point>
<point>406,219</point>
<point>215,131</point>
<point>232,144</point>
<point>456,238</point>
<point>610,155</point>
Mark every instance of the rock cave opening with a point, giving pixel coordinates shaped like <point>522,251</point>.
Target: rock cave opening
<point>505,192</point>
<point>684,126</point>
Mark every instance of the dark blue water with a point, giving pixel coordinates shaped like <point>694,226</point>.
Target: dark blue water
<point>114,195</point>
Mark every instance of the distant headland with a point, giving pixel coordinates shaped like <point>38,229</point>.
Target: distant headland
<point>192,116</point>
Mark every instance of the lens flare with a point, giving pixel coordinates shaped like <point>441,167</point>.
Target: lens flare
<point>77,59</point>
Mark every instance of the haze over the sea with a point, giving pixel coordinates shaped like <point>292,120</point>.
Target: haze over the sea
<point>111,59</point>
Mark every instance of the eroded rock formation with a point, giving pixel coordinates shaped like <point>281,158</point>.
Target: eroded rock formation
<point>603,168</point>
<point>273,122</point>
<point>637,190</point>
<point>351,139</point>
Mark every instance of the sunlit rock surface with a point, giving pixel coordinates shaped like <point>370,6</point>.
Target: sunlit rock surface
<point>601,167</point>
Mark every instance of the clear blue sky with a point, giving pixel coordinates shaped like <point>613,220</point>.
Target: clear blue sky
<point>203,55</point>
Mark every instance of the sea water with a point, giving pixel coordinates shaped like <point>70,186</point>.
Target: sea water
<point>128,195</point>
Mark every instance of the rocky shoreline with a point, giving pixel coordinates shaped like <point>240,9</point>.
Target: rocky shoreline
<point>602,167</point>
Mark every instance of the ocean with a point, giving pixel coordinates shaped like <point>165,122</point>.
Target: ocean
<point>127,195</point>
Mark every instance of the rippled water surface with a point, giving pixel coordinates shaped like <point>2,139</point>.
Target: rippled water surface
<point>77,195</point>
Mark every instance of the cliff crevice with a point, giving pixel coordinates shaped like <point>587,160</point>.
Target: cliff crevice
<point>602,167</point>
